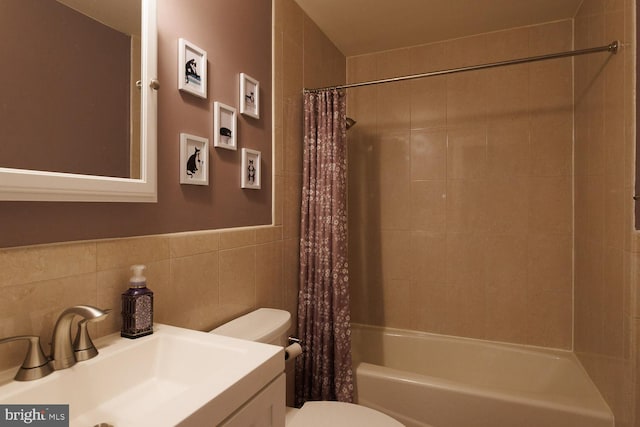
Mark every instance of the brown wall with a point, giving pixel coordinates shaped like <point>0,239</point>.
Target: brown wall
<point>606,318</point>
<point>200,279</point>
<point>237,40</point>
<point>460,189</point>
<point>66,103</point>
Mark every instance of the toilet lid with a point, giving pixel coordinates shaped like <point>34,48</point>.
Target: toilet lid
<point>339,414</point>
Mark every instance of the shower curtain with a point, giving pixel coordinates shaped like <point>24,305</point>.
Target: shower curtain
<point>324,371</point>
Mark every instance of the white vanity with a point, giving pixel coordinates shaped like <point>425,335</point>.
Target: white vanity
<point>174,377</point>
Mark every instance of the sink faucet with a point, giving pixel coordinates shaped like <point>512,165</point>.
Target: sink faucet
<point>62,351</point>
<point>35,365</point>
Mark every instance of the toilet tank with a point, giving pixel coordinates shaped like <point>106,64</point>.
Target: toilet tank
<point>265,325</point>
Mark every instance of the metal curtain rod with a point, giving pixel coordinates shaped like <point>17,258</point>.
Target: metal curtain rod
<point>611,47</point>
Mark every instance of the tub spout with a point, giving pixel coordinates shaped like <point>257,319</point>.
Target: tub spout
<point>62,352</point>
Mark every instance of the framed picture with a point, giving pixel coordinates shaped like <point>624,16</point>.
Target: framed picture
<point>194,160</point>
<point>249,96</point>
<point>250,177</point>
<point>224,126</point>
<point>192,69</point>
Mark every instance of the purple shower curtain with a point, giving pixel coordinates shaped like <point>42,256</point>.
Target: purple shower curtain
<point>324,371</point>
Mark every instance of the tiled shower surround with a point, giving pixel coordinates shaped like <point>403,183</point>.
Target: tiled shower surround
<point>496,204</point>
<point>460,189</point>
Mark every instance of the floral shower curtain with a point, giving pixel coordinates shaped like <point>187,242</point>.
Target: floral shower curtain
<point>324,371</point>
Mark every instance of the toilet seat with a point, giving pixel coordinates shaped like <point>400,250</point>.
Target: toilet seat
<point>338,414</point>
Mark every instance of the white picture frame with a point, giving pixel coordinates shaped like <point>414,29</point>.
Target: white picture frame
<point>225,125</point>
<point>251,171</point>
<point>249,96</point>
<point>192,69</point>
<point>194,160</point>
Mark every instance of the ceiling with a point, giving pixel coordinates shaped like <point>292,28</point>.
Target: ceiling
<point>358,27</point>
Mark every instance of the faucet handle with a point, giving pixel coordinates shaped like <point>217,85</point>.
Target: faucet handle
<point>35,365</point>
<point>83,347</point>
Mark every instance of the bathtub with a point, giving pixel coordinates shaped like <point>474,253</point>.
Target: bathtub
<point>431,380</point>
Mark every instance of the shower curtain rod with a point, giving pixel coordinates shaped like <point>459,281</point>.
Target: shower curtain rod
<point>611,47</point>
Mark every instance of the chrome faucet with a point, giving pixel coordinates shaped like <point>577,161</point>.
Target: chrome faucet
<point>63,354</point>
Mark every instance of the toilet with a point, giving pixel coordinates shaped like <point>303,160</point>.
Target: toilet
<point>270,326</point>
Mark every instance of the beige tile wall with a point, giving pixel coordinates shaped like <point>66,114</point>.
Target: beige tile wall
<point>200,279</point>
<point>303,57</point>
<point>606,244</point>
<point>460,191</point>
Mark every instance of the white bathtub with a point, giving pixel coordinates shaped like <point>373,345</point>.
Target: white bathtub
<point>433,380</point>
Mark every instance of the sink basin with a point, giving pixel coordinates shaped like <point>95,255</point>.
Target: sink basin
<point>175,376</point>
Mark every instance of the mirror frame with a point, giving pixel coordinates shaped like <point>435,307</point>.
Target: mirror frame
<point>31,185</point>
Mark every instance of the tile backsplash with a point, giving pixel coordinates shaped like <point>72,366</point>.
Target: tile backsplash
<point>200,280</point>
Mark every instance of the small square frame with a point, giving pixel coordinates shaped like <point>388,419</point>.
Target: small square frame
<point>225,125</point>
<point>249,96</point>
<point>192,69</point>
<point>251,169</point>
<point>194,159</point>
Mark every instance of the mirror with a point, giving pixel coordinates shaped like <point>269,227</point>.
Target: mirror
<point>81,148</point>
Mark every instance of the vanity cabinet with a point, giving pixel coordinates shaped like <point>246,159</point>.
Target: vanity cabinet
<point>265,409</point>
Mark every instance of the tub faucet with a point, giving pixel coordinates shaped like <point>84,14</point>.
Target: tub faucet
<point>62,352</point>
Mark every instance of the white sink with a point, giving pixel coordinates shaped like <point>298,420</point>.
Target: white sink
<point>175,376</point>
